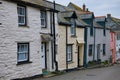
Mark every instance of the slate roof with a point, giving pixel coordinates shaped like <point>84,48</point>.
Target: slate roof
<point>79,10</point>
<point>100,18</point>
<point>113,23</point>
<point>96,25</point>
<point>37,3</point>
<point>58,7</point>
<point>65,13</point>
<point>64,18</point>
<point>74,7</point>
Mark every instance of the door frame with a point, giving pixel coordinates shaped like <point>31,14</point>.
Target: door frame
<point>78,56</point>
<point>45,53</point>
<point>98,53</point>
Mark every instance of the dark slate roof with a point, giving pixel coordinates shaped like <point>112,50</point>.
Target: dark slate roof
<point>80,22</point>
<point>113,23</point>
<point>74,7</point>
<point>100,18</point>
<point>86,15</point>
<point>96,25</point>
<point>37,3</point>
<point>58,7</point>
<point>82,14</point>
<point>64,18</point>
<point>65,13</point>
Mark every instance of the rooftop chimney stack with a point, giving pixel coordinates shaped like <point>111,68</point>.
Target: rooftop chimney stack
<point>108,15</point>
<point>84,7</point>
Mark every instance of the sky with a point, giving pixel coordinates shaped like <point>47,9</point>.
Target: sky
<point>99,7</point>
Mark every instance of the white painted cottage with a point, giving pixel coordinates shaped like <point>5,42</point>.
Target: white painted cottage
<point>25,38</point>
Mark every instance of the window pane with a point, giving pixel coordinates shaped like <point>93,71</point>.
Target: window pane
<point>22,52</point>
<point>21,19</point>
<point>43,18</point>
<point>69,53</point>
<point>21,15</point>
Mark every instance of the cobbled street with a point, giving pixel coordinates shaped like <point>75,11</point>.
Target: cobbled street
<point>106,73</point>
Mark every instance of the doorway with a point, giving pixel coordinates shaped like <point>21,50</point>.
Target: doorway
<point>43,56</point>
<point>98,52</point>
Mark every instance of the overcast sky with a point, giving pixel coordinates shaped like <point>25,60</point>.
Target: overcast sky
<point>99,7</point>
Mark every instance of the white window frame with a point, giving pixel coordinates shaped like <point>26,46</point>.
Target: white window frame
<point>69,53</point>
<point>23,49</point>
<point>43,18</point>
<point>21,14</point>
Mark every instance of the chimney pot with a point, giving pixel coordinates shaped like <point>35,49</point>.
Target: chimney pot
<point>84,7</point>
<point>108,15</point>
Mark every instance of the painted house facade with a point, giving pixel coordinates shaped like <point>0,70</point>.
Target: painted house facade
<point>102,40</point>
<point>25,48</point>
<point>114,24</point>
<point>71,41</point>
<point>95,49</point>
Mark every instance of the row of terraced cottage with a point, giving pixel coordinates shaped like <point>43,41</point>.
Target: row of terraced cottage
<point>38,36</point>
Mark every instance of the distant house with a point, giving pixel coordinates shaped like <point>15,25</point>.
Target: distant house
<point>114,24</point>
<point>25,41</point>
<point>102,39</point>
<point>70,39</point>
<point>96,42</point>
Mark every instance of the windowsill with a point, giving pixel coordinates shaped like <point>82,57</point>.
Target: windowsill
<point>25,62</point>
<point>73,36</point>
<point>43,27</point>
<point>70,62</point>
<point>23,26</point>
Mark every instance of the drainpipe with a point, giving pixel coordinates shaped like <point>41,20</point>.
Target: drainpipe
<point>66,48</point>
<point>51,31</point>
<point>54,35</point>
<point>85,47</point>
<point>94,44</point>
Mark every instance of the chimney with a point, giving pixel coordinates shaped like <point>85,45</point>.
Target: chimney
<point>108,15</point>
<point>84,7</point>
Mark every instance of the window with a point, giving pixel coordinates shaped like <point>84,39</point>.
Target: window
<point>90,50</point>
<point>73,30</point>
<point>21,15</point>
<point>43,19</point>
<point>69,53</point>
<point>104,49</point>
<point>23,52</point>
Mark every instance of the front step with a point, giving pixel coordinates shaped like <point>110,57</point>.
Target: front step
<point>47,74</point>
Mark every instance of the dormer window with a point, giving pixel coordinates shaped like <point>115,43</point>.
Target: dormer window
<point>73,30</point>
<point>43,19</point>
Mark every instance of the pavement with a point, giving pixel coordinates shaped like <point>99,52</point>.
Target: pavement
<point>104,73</point>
